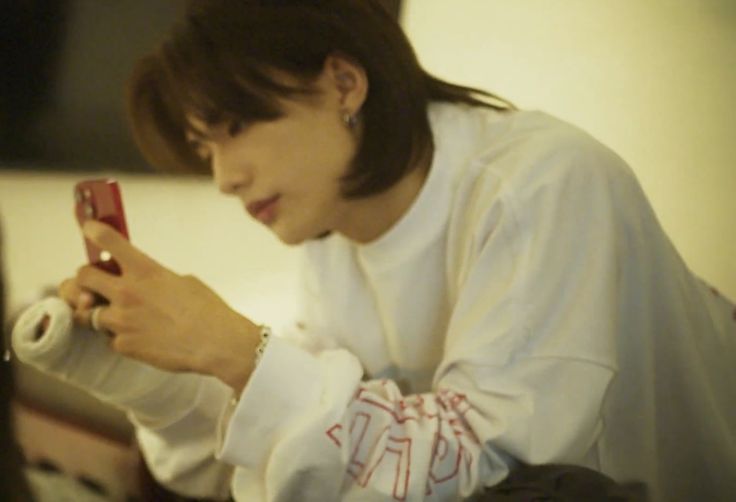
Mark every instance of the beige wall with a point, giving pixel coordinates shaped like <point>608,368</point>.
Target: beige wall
<point>655,80</point>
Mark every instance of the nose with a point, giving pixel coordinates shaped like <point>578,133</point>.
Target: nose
<point>230,176</point>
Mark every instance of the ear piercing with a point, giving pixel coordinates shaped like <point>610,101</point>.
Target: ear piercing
<point>350,119</point>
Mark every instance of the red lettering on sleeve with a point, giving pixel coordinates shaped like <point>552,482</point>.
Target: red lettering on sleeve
<point>381,452</point>
<point>332,434</point>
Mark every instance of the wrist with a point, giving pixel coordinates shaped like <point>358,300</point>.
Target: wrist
<point>231,355</point>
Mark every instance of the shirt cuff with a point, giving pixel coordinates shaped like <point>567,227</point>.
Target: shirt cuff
<point>284,385</point>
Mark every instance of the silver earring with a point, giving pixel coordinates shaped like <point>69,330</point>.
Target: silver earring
<point>350,120</point>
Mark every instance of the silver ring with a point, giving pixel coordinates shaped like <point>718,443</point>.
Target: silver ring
<point>94,319</point>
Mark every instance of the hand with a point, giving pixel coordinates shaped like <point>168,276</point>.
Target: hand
<point>168,320</point>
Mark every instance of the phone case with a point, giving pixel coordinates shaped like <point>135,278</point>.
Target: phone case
<point>100,200</point>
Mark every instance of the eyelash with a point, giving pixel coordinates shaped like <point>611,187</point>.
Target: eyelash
<point>235,127</point>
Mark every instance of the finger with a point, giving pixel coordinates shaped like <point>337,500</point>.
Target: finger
<point>92,279</point>
<point>70,291</point>
<point>109,239</point>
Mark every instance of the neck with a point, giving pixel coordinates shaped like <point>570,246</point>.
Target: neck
<point>368,219</point>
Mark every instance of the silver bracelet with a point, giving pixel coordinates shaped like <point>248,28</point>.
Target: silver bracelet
<point>265,337</point>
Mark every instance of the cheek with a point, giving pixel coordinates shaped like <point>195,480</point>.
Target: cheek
<point>311,158</point>
<point>331,146</point>
<point>314,210</point>
<point>315,176</point>
<point>318,199</point>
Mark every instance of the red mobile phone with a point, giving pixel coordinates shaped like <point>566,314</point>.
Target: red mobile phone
<point>101,200</point>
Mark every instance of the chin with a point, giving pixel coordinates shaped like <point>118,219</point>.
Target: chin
<point>291,242</point>
<point>290,238</point>
<point>294,238</point>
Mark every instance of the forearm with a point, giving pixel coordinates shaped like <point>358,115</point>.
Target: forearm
<point>304,422</point>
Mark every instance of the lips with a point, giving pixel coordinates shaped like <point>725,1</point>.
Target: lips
<point>264,210</point>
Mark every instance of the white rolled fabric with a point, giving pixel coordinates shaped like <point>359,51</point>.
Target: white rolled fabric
<point>84,358</point>
<point>43,348</point>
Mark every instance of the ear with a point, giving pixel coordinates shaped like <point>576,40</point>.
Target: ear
<point>349,79</point>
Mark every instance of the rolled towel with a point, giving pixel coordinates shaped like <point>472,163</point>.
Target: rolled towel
<point>39,345</point>
<point>45,336</point>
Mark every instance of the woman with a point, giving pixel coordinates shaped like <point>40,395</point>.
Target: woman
<point>483,287</point>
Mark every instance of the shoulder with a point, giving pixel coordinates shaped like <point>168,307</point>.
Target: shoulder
<point>527,172</point>
<point>555,154</point>
<point>516,156</point>
<point>536,149</point>
<point>522,143</point>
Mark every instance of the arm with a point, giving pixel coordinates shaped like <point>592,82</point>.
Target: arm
<point>162,323</point>
<point>153,360</point>
<point>319,430</point>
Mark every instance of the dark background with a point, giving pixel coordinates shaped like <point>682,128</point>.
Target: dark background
<point>63,67</point>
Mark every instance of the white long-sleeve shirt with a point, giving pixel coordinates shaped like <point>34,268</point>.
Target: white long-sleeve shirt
<point>527,306</point>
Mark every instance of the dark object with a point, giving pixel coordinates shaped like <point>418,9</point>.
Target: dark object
<point>30,42</point>
<point>562,483</point>
<point>13,484</point>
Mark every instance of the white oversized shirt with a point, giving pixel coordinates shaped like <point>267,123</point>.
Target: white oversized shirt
<point>528,306</point>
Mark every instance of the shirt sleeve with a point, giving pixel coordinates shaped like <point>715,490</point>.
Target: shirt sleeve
<point>529,355</point>
<point>537,315</point>
<point>180,451</point>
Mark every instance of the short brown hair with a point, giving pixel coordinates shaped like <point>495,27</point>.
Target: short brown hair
<point>220,63</point>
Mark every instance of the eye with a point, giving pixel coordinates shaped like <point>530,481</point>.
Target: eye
<point>235,127</point>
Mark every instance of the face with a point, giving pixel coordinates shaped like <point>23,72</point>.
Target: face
<point>286,172</point>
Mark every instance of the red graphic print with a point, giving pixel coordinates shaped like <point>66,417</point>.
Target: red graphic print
<point>381,449</point>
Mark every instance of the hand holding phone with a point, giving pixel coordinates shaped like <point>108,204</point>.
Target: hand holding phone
<point>100,199</point>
